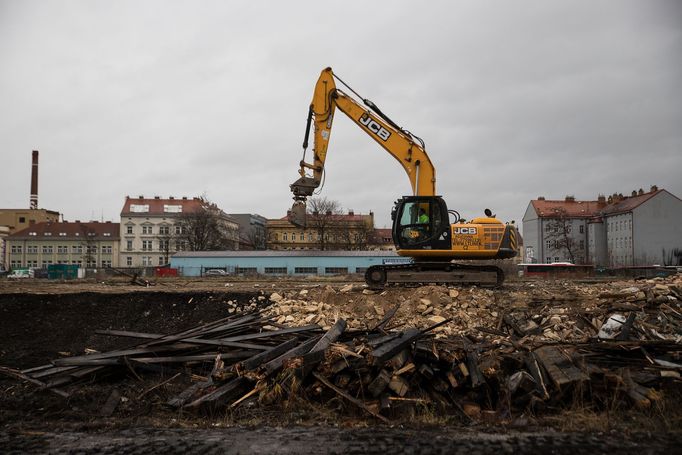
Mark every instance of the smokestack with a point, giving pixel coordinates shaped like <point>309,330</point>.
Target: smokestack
<point>34,181</point>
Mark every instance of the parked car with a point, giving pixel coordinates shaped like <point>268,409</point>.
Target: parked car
<point>21,273</point>
<point>215,272</point>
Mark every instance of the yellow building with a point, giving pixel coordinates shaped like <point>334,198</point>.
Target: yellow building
<point>13,220</point>
<point>89,245</point>
<point>324,232</point>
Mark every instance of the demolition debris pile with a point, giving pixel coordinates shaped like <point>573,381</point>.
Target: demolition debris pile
<point>475,353</point>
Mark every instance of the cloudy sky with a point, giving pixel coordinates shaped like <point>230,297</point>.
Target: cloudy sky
<point>513,99</point>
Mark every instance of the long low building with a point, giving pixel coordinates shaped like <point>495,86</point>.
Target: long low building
<point>290,262</point>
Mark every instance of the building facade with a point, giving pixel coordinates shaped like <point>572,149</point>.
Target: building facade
<point>150,229</point>
<point>14,220</point>
<point>328,231</point>
<point>253,232</point>
<point>277,263</point>
<point>642,229</point>
<point>89,245</point>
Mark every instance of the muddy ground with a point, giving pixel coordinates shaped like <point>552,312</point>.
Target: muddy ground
<point>40,321</point>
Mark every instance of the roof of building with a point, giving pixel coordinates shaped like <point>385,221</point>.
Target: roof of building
<point>573,209</point>
<point>69,231</point>
<point>628,204</point>
<point>336,217</point>
<point>594,210</point>
<point>282,253</point>
<point>159,206</point>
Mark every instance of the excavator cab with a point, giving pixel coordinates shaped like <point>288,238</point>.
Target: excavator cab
<point>421,222</point>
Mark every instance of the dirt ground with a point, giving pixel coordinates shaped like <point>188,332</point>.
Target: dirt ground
<point>41,320</point>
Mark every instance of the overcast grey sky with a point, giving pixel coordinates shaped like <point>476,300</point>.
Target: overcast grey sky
<point>513,99</point>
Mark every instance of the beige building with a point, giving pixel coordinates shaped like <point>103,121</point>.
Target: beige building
<point>324,232</point>
<point>89,245</point>
<point>14,220</point>
<point>150,232</point>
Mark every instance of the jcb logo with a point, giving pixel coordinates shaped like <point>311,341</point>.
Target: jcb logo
<point>465,230</point>
<point>374,127</point>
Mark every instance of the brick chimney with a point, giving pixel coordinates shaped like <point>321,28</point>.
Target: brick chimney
<point>34,181</point>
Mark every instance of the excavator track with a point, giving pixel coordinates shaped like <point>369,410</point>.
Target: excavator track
<point>422,273</point>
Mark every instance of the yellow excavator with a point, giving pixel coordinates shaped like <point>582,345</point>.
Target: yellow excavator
<point>422,228</point>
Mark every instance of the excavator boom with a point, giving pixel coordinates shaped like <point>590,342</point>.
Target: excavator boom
<point>421,222</point>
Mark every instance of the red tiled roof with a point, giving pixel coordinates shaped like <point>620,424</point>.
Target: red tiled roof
<point>629,203</point>
<point>69,231</point>
<point>157,206</point>
<point>573,209</point>
<point>594,210</point>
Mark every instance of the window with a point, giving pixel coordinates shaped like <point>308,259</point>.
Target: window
<point>16,248</point>
<point>32,249</point>
<point>164,245</point>
<point>78,249</point>
<point>106,262</point>
<point>337,270</point>
<point>45,263</point>
<point>62,249</point>
<point>47,234</point>
<point>146,260</point>
<point>62,234</point>
<point>129,245</point>
<point>92,249</point>
<point>129,261</point>
<point>107,234</point>
<point>146,229</point>
<point>246,270</point>
<point>178,229</point>
<point>302,236</point>
<point>129,229</point>
<point>147,245</point>
<point>47,249</point>
<point>164,230</point>
<point>106,249</point>
<point>91,264</point>
<point>161,261</point>
<point>582,245</point>
<point>285,237</point>
<point>181,245</point>
<point>556,258</point>
<point>310,236</point>
<point>548,244</point>
<point>309,270</point>
<point>582,229</point>
<point>276,270</point>
<point>22,219</point>
<point>360,269</point>
<point>77,262</point>
<point>139,208</point>
<point>548,260</point>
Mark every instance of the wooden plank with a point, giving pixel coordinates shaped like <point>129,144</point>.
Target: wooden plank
<point>275,364</point>
<point>560,367</point>
<point>16,374</point>
<point>257,360</point>
<point>387,350</point>
<point>220,396</point>
<point>353,400</point>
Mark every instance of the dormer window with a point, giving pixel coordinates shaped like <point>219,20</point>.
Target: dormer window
<point>139,208</point>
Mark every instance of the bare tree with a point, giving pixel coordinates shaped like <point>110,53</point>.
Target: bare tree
<point>252,237</point>
<point>559,233</point>
<point>354,235</point>
<point>204,229</point>
<point>323,215</point>
<point>90,245</point>
<point>166,240</point>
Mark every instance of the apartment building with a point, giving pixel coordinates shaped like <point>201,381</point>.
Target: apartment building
<point>89,245</point>
<point>151,232</point>
<point>642,229</point>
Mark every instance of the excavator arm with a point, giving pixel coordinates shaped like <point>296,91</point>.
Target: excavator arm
<point>406,148</point>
